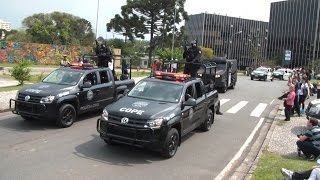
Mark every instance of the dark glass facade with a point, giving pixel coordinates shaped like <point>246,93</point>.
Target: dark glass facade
<point>294,26</point>
<point>235,38</point>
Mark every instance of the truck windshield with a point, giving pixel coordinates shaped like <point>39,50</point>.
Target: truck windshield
<point>64,77</point>
<point>221,67</point>
<point>157,91</point>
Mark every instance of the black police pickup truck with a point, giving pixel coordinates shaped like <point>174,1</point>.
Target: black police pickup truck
<point>67,92</point>
<point>158,111</point>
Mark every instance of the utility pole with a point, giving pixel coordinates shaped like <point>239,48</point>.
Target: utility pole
<point>174,29</point>
<point>97,20</point>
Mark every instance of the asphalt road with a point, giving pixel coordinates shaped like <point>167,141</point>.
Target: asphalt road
<point>39,150</point>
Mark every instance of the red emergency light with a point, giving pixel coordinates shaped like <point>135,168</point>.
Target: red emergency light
<point>79,65</point>
<point>171,76</point>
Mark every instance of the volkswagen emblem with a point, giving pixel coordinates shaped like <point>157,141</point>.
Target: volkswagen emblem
<point>125,120</point>
<point>27,98</point>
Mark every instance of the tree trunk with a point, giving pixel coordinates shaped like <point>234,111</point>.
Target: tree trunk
<point>151,42</point>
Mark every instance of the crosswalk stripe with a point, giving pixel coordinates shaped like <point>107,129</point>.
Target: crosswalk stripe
<point>258,110</point>
<point>237,107</point>
<point>222,101</point>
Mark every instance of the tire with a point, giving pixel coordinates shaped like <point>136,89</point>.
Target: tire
<point>281,77</point>
<point>233,86</point>
<point>271,79</point>
<point>119,96</point>
<point>27,118</point>
<point>207,124</point>
<point>67,115</point>
<point>224,89</point>
<point>171,144</point>
<point>251,78</point>
<point>265,78</point>
<point>109,142</point>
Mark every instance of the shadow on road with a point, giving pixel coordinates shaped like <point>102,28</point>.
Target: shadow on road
<point>119,155</point>
<point>17,123</point>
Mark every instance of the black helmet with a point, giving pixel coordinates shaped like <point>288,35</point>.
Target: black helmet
<point>194,43</point>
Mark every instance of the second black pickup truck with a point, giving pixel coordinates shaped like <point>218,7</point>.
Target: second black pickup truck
<point>67,92</point>
<point>158,111</point>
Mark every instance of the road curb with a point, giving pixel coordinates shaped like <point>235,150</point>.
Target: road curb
<point>249,163</point>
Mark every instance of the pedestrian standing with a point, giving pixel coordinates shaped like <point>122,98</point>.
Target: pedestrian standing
<point>289,102</point>
<point>304,93</point>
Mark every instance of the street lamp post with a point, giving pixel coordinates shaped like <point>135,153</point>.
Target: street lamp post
<point>174,29</point>
<point>230,41</point>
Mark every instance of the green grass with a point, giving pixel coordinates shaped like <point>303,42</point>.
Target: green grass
<point>33,78</point>
<point>33,65</point>
<point>270,164</point>
<point>315,81</point>
<point>12,88</point>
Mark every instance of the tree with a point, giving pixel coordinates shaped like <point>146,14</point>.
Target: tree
<point>21,71</point>
<point>166,53</point>
<point>140,17</point>
<point>207,53</point>
<point>19,36</point>
<point>59,28</point>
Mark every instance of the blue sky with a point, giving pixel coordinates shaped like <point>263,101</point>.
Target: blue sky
<point>15,11</point>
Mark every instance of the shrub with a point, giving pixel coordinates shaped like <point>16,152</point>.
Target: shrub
<point>21,71</point>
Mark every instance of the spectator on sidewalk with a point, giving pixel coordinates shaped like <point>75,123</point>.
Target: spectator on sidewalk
<point>296,106</point>
<point>304,93</point>
<point>309,143</point>
<point>311,174</point>
<point>289,102</point>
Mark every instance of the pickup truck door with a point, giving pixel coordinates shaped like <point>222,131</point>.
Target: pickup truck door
<point>88,97</point>
<point>106,88</point>
<point>200,113</point>
<point>187,112</point>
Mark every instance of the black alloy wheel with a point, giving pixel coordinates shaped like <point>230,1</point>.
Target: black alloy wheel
<point>171,144</point>
<point>67,115</point>
<point>206,125</point>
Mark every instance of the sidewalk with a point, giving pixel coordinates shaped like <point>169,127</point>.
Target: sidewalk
<point>280,138</point>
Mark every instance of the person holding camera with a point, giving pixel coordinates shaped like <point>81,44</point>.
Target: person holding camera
<point>309,143</point>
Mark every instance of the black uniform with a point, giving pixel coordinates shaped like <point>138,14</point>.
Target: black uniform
<point>192,55</point>
<point>104,55</point>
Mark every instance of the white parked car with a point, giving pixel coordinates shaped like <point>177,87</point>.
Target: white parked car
<point>262,73</point>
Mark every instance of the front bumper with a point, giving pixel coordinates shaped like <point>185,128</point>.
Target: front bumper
<point>130,135</point>
<point>220,83</point>
<point>34,110</point>
<point>258,76</point>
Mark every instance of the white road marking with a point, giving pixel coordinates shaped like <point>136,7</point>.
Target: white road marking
<point>258,110</point>
<point>271,102</point>
<point>222,101</point>
<point>239,153</point>
<point>237,107</point>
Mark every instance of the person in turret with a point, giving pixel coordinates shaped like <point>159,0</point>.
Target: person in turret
<point>192,56</point>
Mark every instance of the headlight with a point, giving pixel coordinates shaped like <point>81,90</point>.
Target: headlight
<point>105,115</point>
<point>252,73</point>
<point>48,99</point>
<point>154,124</point>
<point>217,76</point>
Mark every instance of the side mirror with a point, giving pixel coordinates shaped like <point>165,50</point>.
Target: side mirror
<point>87,85</point>
<point>190,102</point>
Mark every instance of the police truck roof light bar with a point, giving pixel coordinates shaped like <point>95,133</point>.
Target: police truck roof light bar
<point>77,65</point>
<point>171,76</point>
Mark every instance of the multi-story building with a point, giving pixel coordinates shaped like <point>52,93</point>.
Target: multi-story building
<point>235,38</point>
<point>294,27</point>
<point>5,25</point>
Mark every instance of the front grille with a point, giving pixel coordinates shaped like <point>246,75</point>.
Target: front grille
<point>133,122</point>
<point>29,107</point>
<point>33,99</point>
